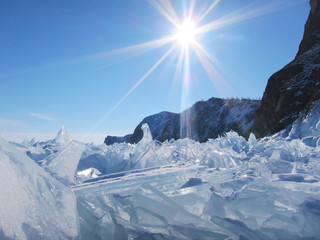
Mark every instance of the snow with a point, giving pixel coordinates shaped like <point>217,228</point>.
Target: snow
<point>225,188</point>
<point>88,173</point>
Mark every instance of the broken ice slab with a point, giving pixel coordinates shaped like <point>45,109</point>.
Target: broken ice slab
<point>62,165</point>
<point>165,178</point>
<point>280,166</point>
<point>297,178</point>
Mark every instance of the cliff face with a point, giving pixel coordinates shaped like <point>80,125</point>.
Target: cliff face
<point>312,28</point>
<point>295,87</point>
<point>204,120</point>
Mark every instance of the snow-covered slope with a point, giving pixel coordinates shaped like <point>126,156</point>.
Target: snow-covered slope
<point>204,120</point>
<point>33,205</point>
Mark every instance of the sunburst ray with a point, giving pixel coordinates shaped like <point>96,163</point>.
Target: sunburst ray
<point>198,20</point>
<point>216,78</point>
<point>191,8</point>
<point>134,50</point>
<point>185,118</point>
<point>163,11</point>
<point>246,13</point>
<point>170,10</point>
<point>125,96</point>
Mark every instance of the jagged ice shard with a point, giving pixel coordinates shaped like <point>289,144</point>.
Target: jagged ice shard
<point>33,205</point>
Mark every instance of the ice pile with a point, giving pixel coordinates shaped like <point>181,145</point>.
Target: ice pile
<point>241,190</point>
<point>226,188</point>
<point>38,151</point>
<point>267,189</point>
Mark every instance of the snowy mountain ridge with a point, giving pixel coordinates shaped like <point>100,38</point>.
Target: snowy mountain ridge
<point>204,120</point>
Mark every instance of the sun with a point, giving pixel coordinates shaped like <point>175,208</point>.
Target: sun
<point>186,33</point>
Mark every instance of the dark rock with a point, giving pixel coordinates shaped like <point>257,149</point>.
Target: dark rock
<point>312,28</point>
<point>295,87</point>
<point>109,140</point>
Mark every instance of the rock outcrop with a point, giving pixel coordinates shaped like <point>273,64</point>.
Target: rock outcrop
<point>204,120</point>
<point>109,140</point>
<point>295,87</point>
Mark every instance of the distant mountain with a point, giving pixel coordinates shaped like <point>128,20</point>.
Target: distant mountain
<point>295,87</point>
<point>204,120</point>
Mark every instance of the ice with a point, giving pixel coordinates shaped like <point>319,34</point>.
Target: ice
<point>311,212</point>
<point>63,138</point>
<point>62,165</point>
<point>144,154</point>
<point>307,127</point>
<point>33,205</point>
<point>38,151</point>
<point>252,140</point>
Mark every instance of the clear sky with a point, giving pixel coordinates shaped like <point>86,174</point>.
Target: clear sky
<point>100,67</point>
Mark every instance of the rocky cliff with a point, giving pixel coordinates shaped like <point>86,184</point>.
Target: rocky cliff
<point>204,120</point>
<point>295,87</point>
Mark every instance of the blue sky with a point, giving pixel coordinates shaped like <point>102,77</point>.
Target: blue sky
<point>60,59</point>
